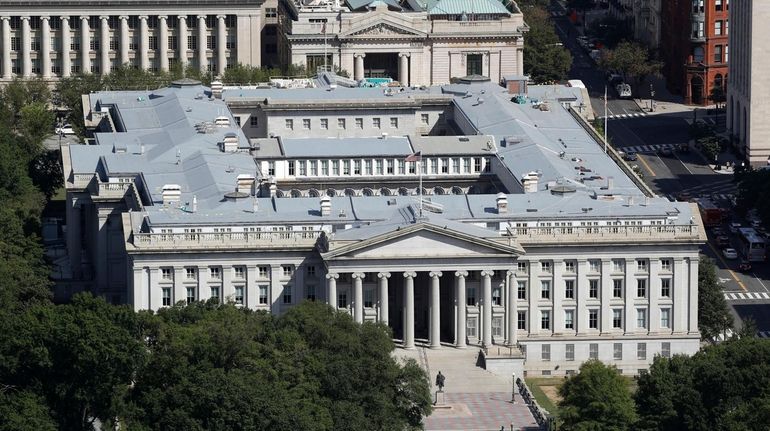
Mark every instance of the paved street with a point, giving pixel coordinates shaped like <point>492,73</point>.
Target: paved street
<point>654,136</point>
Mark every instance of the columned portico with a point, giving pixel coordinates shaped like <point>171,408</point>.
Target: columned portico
<point>202,60</point>
<point>486,318</point>
<point>331,289</point>
<point>403,69</point>
<point>460,296</point>
<point>6,47</point>
<point>104,49</point>
<point>163,42</point>
<point>358,296</point>
<point>435,310</point>
<point>85,44</point>
<point>221,45</point>
<point>45,46</point>
<point>25,46</point>
<point>144,43</point>
<point>384,309</point>
<point>512,315</point>
<point>124,39</point>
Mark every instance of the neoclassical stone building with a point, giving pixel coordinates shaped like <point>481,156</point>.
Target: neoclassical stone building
<point>514,228</point>
<point>52,39</point>
<point>413,42</point>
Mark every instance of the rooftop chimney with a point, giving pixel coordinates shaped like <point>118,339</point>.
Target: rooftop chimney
<point>246,183</point>
<point>216,89</point>
<point>326,206</point>
<point>195,204</point>
<point>529,181</point>
<point>171,194</point>
<point>502,203</point>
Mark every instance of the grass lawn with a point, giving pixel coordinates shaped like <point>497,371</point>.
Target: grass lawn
<point>539,387</point>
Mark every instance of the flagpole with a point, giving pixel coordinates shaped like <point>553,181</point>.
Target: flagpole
<point>325,66</point>
<point>605,119</point>
<point>419,168</point>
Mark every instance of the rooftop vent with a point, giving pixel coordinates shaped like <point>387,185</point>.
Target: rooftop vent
<point>222,121</point>
<point>326,206</point>
<point>216,89</point>
<point>529,181</point>
<point>246,183</point>
<point>230,142</point>
<point>171,194</point>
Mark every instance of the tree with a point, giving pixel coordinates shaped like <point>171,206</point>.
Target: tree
<point>714,318</point>
<point>723,386</point>
<point>35,124</point>
<point>597,398</point>
<point>70,91</point>
<point>545,59</point>
<point>630,59</point>
<point>717,95</point>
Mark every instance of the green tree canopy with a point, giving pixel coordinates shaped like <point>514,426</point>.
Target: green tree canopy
<point>545,59</point>
<point>714,317</point>
<point>598,398</point>
<point>631,59</point>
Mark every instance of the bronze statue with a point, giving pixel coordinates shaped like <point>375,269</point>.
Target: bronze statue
<point>440,381</point>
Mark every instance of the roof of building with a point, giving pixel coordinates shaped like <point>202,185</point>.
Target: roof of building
<point>467,7</point>
<point>394,146</point>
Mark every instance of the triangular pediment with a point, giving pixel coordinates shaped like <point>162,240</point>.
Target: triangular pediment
<point>422,241</point>
<point>382,28</point>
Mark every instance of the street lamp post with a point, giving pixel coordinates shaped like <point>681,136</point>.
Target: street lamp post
<point>652,99</point>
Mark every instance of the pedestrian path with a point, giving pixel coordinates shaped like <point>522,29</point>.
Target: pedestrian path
<point>624,116</point>
<point>747,296</point>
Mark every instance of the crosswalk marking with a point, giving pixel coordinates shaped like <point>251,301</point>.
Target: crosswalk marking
<point>763,334</point>
<point>746,296</point>
<point>651,148</point>
<point>623,116</point>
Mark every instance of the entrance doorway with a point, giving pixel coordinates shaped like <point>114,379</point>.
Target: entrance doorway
<point>696,90</point>
<point>381,65</point>
<point>422,306</point>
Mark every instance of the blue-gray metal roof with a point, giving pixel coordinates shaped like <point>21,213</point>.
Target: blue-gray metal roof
<point>393,146</point>
<point>468,7</point>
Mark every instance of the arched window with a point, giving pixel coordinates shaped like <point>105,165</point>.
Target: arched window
<point>457,190</point>
<point>403,191</point>
<point>367,191</point>
<point>279,193</point>
<point>295,193</point>
<point>438,190</point>
<point>350,192</point>
<point>313,193</point>
<point>385,191</point>
<point>718,82</point>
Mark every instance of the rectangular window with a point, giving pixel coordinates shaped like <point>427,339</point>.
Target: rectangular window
<point>569,266</point>
<point>569,289</point>
<point>474,64</point>
<point>166,296</point>
<point>455,165</point>
<point>324,123</point>
<point>665,317</point>
<point>271,168</point>
<point>471,330</point>
<point>521,267</point>
<point>173,42</point>
<point>521,289</point>
<point>215,294</point>
<point>310,292</point>
<point>497,327</point>
<point>466,165</point>
<point>368,167</point>
<point>346,167</point>
<point>393,122</point>
<point>641,318</point>
<point>191,295</point>
<point>340,123</point>
<point>342,300</point>
<point>192,43</point>
<point>545,319</point>
<point>665,287</point>
<point>569,352</point>
<point>717,53</point>
<point>239,295</point>
<point>240,272</point>
<point>263,294</point>
<point>433,166</point>
<point>190,273</point>
<point>545,267</point>
<point>376,123</point>
<point>521,319</point>
<point>359,123</point>
<point>425,118</point>
<point>306,123</point>
<point>167,273</point>
<point>302,168</point>
<point>215,273</point>
<point>412,167</point>
<point>289,124</point>
<point>378,167</point>
<point>665,350</point>
<point>389,167</point>
<point>717,28</point>
<point>718,5</point>
<point>593,319</point>
<point>356,167</point>
<point>593,351</point>
<point>470,296</point>
<point>617,288</point>
<point>569,319</point>
<point>641,351</point>
<point>401,167</point>
<point>497,296</point>
<point>153,42</point>
<point>665,265</point>
<point>617,318</point>
<point>444,165</point>
<point>545,289</point>
<point>641,288</point>
<point>335,168</point>
<point>325,168</point>
<point>286,294</point>
<point>545,352</point>
<point>292,169</point>
<point>211,42</point>
<point>368,298</point>
<point>287,270</point>
<point>641,265</point>
<point>594,265</point>
<point>617,265</point>
<point>617,351</point>
<point>593,289</point>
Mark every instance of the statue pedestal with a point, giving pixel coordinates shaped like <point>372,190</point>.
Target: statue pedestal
<point>440,399</point>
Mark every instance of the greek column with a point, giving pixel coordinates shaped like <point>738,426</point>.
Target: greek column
<point>403,69</point>
<point>487,308</point>
<point>510,278</point>
<point>144,43</point>
<point>25,47</point>
<point>66,63</point>
<point>7,72</point>
<point>384,276</point>
<point>460,320</point>
<point>435,310</point>
<point>182,40</point>
<point>124,40</point>
<point>162,52</point>
<point>45,46</point>
<point>358,296</point>
<point>85,45</point>
<point>221,45</point>
<point>359,67</point>
<point>105,47</point>
<point>202,43</point>
<point>409,309</point>
<point>331,289</point>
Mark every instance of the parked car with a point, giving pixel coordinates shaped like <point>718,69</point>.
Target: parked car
<point>64,129</point>
<point>730,253</point>
<point>717,231</point>
<point>745,265</point>
<point>723,241</point>
<point>734,226</point>
<point>683,197</point>
<point>630,156</point>
<point>624,90</point>
<point>666,151</point>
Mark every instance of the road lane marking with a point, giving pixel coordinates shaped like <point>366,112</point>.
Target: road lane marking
<point>683,163</point>
<point>641,159</point>
<point>760,281</point>
<point>732,273</point>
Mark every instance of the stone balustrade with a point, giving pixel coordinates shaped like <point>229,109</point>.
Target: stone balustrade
<point>225,240</point>
<point>609,234</point>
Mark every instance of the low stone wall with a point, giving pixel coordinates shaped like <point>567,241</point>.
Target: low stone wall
<point>541,415</point>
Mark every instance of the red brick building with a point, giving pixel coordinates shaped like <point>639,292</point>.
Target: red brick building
<point>694,47</point>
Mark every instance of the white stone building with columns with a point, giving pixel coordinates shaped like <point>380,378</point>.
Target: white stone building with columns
<point>53,39</point>
<point>413,42</point>
<point>514,231</point>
